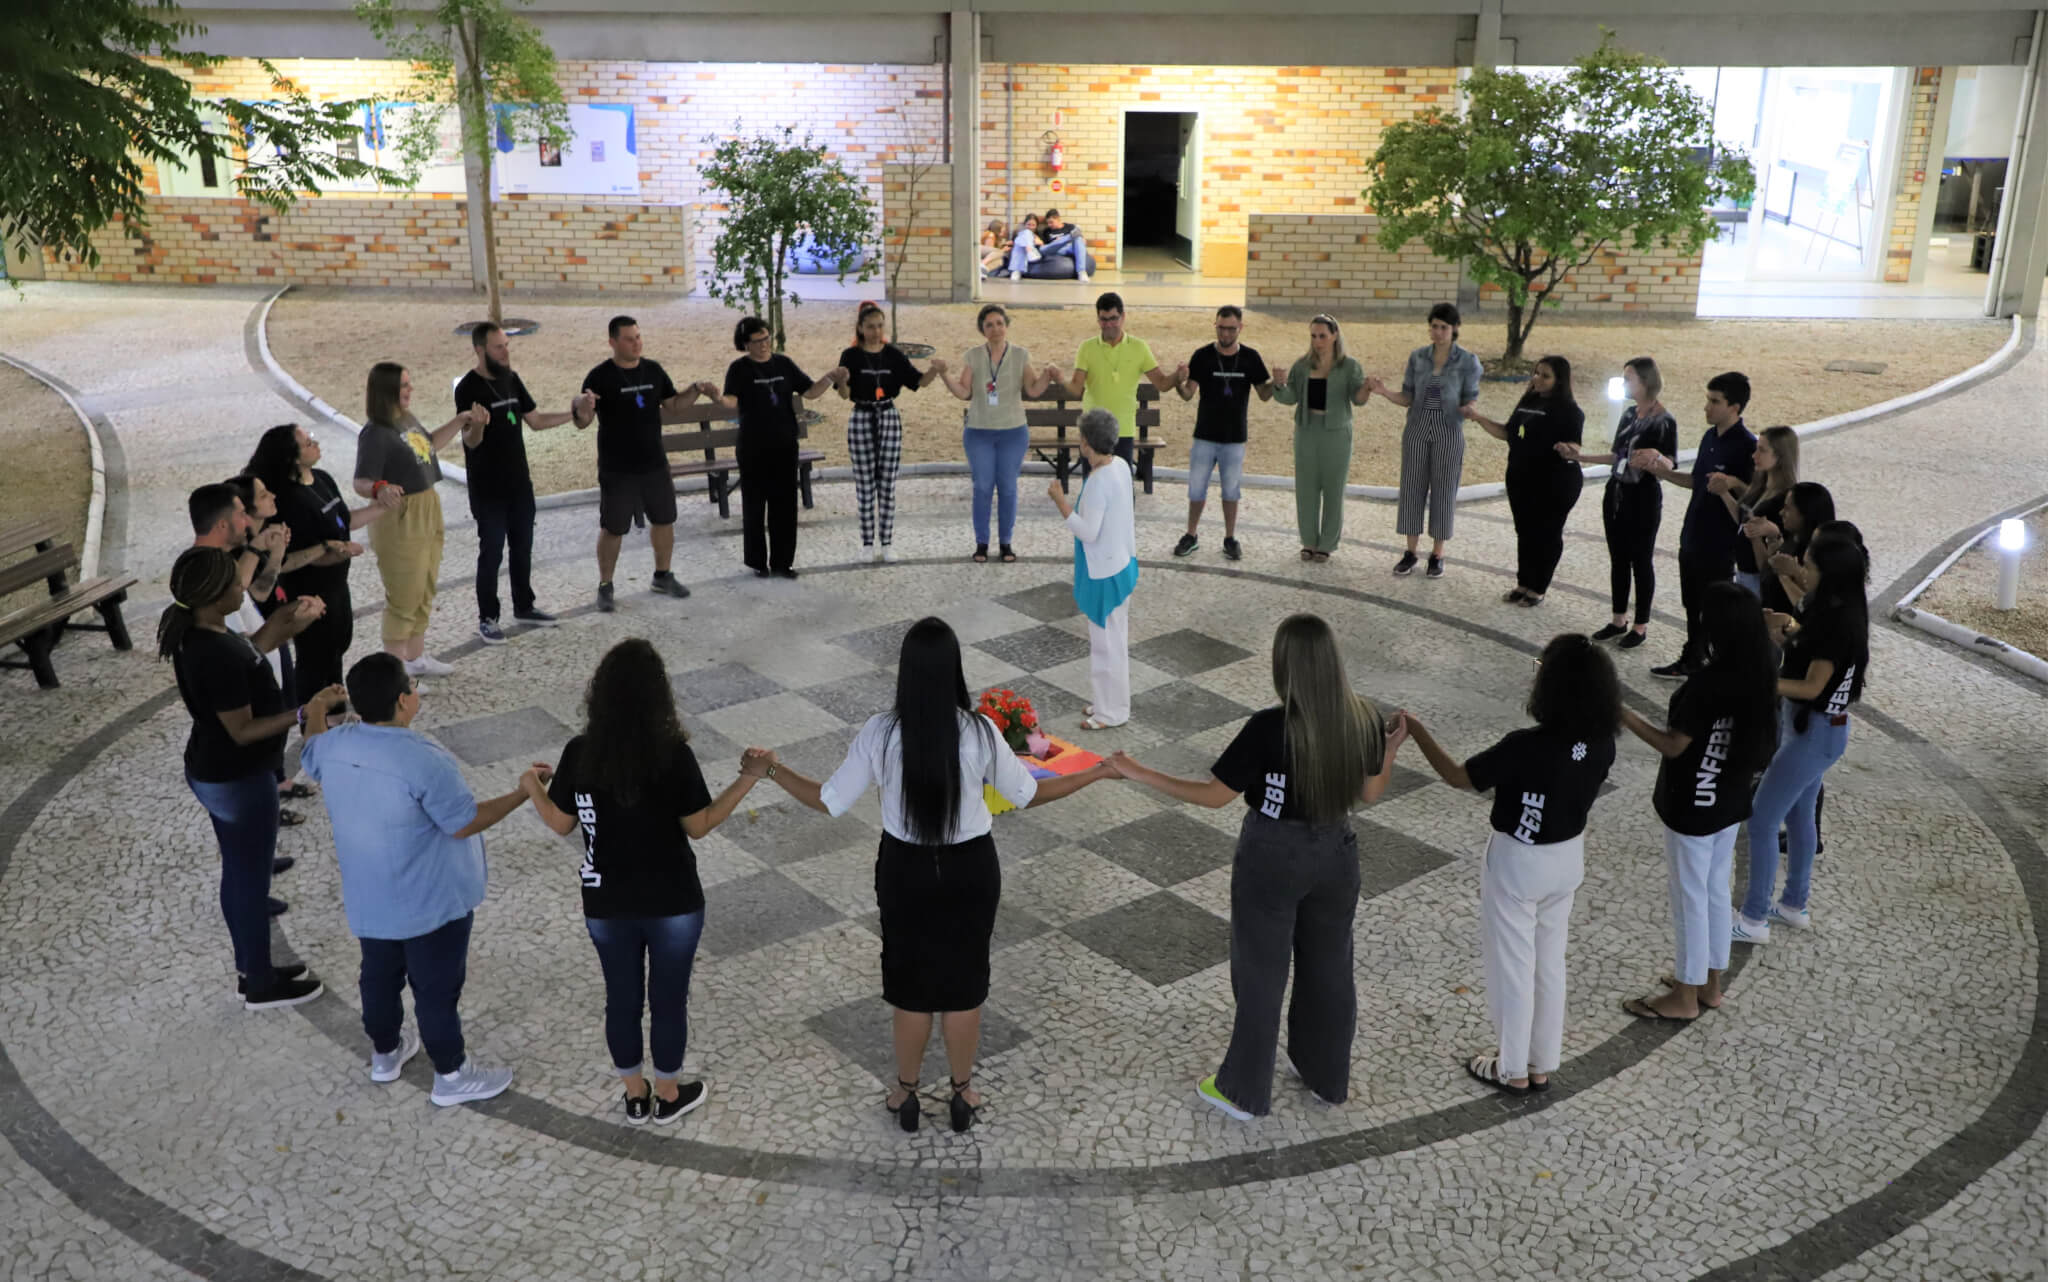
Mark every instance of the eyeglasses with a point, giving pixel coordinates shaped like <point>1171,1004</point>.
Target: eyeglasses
<point>759,338</point>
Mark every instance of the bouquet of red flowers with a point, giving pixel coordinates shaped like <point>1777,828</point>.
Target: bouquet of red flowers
<point>1012,714</point>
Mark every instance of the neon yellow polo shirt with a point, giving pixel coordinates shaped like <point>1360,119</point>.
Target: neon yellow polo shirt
<point>1113,377</point>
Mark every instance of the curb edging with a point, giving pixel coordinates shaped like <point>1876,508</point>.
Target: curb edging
<point>96,505</point>
<point>1934,625</point>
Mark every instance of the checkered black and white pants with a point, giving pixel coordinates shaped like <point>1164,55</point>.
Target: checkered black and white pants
<point>874,440</point>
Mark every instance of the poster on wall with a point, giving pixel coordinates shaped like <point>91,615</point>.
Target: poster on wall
<point>191,175</point>
<point>601,157</point>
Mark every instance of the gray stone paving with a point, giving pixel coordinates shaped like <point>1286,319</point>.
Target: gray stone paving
<point>1868,1106</point>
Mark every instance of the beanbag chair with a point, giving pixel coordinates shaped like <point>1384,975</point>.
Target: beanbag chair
<point>1055,267</point>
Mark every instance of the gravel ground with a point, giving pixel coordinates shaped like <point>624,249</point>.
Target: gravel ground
<point>329,339</point>
<point>1967,593</point>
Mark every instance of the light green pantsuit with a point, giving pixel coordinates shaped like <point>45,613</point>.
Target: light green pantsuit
<point>1322,466</point>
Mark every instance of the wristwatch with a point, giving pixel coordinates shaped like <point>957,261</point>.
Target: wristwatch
<point>770,772</point>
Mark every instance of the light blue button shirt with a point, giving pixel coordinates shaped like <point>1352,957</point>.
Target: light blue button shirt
<point>396,800</point>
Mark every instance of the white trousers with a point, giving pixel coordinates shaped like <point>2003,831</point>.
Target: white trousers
<point>1525,906</point>
<point>1701,911</point>
<point>1109,667</point>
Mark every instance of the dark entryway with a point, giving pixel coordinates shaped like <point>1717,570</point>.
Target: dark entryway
<point>1162,200</point>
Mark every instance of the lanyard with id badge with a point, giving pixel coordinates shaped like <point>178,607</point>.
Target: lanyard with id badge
<point>994,370</point>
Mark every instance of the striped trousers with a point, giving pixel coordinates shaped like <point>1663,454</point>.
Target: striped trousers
<point>1432,461</point>
<point>874,441</point>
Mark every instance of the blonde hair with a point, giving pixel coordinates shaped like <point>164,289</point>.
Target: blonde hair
<point>1784,443</point>
<point>1647,374</point>
<point>1335,739</point>
<point>1336,340</point>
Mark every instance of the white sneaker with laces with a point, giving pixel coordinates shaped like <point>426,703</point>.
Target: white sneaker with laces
<point>385,1068</point>
<point>889,554</point>
<point>428,666</point>
<point>1749,931</point>
<point>470,1084</point>
<point>1796,918</point>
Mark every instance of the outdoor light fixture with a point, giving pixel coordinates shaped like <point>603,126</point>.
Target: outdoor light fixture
<point>2012,537</point>
<point>1616,390</point>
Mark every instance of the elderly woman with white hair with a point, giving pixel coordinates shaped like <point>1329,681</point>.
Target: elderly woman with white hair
<point>1105,566</point>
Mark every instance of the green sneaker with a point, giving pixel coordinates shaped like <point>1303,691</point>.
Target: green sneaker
<point>1206,1088</point>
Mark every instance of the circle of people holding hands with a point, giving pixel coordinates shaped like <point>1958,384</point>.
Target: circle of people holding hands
<point>1774,657</point>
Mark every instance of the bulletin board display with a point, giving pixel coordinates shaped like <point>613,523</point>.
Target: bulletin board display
<point>601,157</point>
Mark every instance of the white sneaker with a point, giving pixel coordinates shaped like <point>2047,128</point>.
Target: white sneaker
<point>385,1068</point>
<point>872,553</point>
<point>889,554</point>
<point>1749,931</point>
<point>428,666</point>
<point>1796,918</point>
<point>470,1083</point>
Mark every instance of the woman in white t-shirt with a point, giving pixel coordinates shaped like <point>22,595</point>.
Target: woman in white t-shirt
<point>937,879</point>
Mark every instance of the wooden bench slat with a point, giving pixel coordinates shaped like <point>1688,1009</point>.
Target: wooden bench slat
<point>22,535</point>
<point>34,570</point>
<point>83,597</point>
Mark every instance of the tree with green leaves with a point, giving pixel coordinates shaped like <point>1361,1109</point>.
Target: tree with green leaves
<point>918,155</point>
<point>779,192</point>
<point>491,65</point>
<point>1542,174</point>
<point>83,112</point>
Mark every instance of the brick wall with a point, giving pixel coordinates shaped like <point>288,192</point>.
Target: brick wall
<point>927,251</point>
<point>1916,153</point>
<point>410,242</point>
<point>1334,262</point>
<point>1275,139</point>
<point>1331,262</point>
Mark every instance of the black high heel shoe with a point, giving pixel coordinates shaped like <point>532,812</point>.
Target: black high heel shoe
<point>963,1112</point>
<point>906,1112</point>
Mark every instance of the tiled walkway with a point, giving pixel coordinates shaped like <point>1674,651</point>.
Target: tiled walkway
<point>1868,1105</point>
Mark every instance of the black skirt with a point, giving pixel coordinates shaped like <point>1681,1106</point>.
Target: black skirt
<point>938,911</point>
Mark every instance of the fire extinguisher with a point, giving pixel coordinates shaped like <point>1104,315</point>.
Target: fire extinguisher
<point>1057,158</point>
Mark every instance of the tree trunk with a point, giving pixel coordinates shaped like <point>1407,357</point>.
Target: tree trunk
<point>480,103</point>
<point>1516,333</point>
<point>774,317</point>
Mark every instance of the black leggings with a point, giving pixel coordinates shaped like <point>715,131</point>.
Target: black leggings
<point>1630,514</point>
<point>1541,501</point>
<point>319,651</point>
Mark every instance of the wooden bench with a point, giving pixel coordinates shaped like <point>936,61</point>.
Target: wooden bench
<point>708,439</point>
<point>29,551</point>
<point>1062,451</point>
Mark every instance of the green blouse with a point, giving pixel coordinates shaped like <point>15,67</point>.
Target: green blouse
<point>1346,377</point>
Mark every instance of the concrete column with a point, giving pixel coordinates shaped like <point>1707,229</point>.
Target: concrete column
<point>473,186</point>
<point>19,266</point>
<point>963,71</point>
<point>2020,255</point>
<point>1486,45</point>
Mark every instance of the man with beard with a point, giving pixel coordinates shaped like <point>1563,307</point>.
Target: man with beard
<point>500,488</point>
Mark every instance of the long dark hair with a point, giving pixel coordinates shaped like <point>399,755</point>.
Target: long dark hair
<point>275,461</point>
<point>631,733</point>
<point>1741,657</point>
<point>200,576</point>
<point>1837,553</point>
<point>1561,386</point>
<point>1816,504</point>
<point>931,693</point>
<point>380,394</point>
<point>1576,693</point>
<point>1336,739</point>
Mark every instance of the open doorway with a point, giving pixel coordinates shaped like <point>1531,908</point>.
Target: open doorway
<point>1162,191</point>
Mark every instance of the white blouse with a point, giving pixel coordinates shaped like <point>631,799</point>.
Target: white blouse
<point>1105,520</point>
<point>876,758</point>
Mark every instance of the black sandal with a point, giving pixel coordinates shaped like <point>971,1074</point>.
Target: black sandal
<point>1007,555</point>
<point>906,1112</point>
<point>1486,1069</point>
<point>981,554</point>
<point>963,1112</point>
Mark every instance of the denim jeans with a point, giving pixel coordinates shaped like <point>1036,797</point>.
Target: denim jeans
<point>435,964</point>
<point>994,457</point>
<point>244,814</point>
<point>1787,795</point>
<point>1293,897</point>
<point>647,960</point>
<point>1206,456</point>
<point>503,519</point>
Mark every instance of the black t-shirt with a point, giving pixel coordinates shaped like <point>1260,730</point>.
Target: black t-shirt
<point>1827,631</point>
<point>1047,235</point>
<point>1710,533</point>
<point>629,415</point>
<point>1257,764</point>
<point>637,860</point>
<point>1534,430</point>
<point>878,376</point>
<point>1226,396</point>
<point>1705,788</point>
<point>1543,784</point>
<point>219,672</point>
<point>1659,433</point>
<point>315,513</point>
<point>767,392</point>
<point>1771,507</point>
<point>497,464</point>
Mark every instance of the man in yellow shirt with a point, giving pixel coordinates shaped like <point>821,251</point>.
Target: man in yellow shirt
<point>1107,370</point>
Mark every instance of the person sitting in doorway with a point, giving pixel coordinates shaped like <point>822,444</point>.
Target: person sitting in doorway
<point>1058,237</point>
